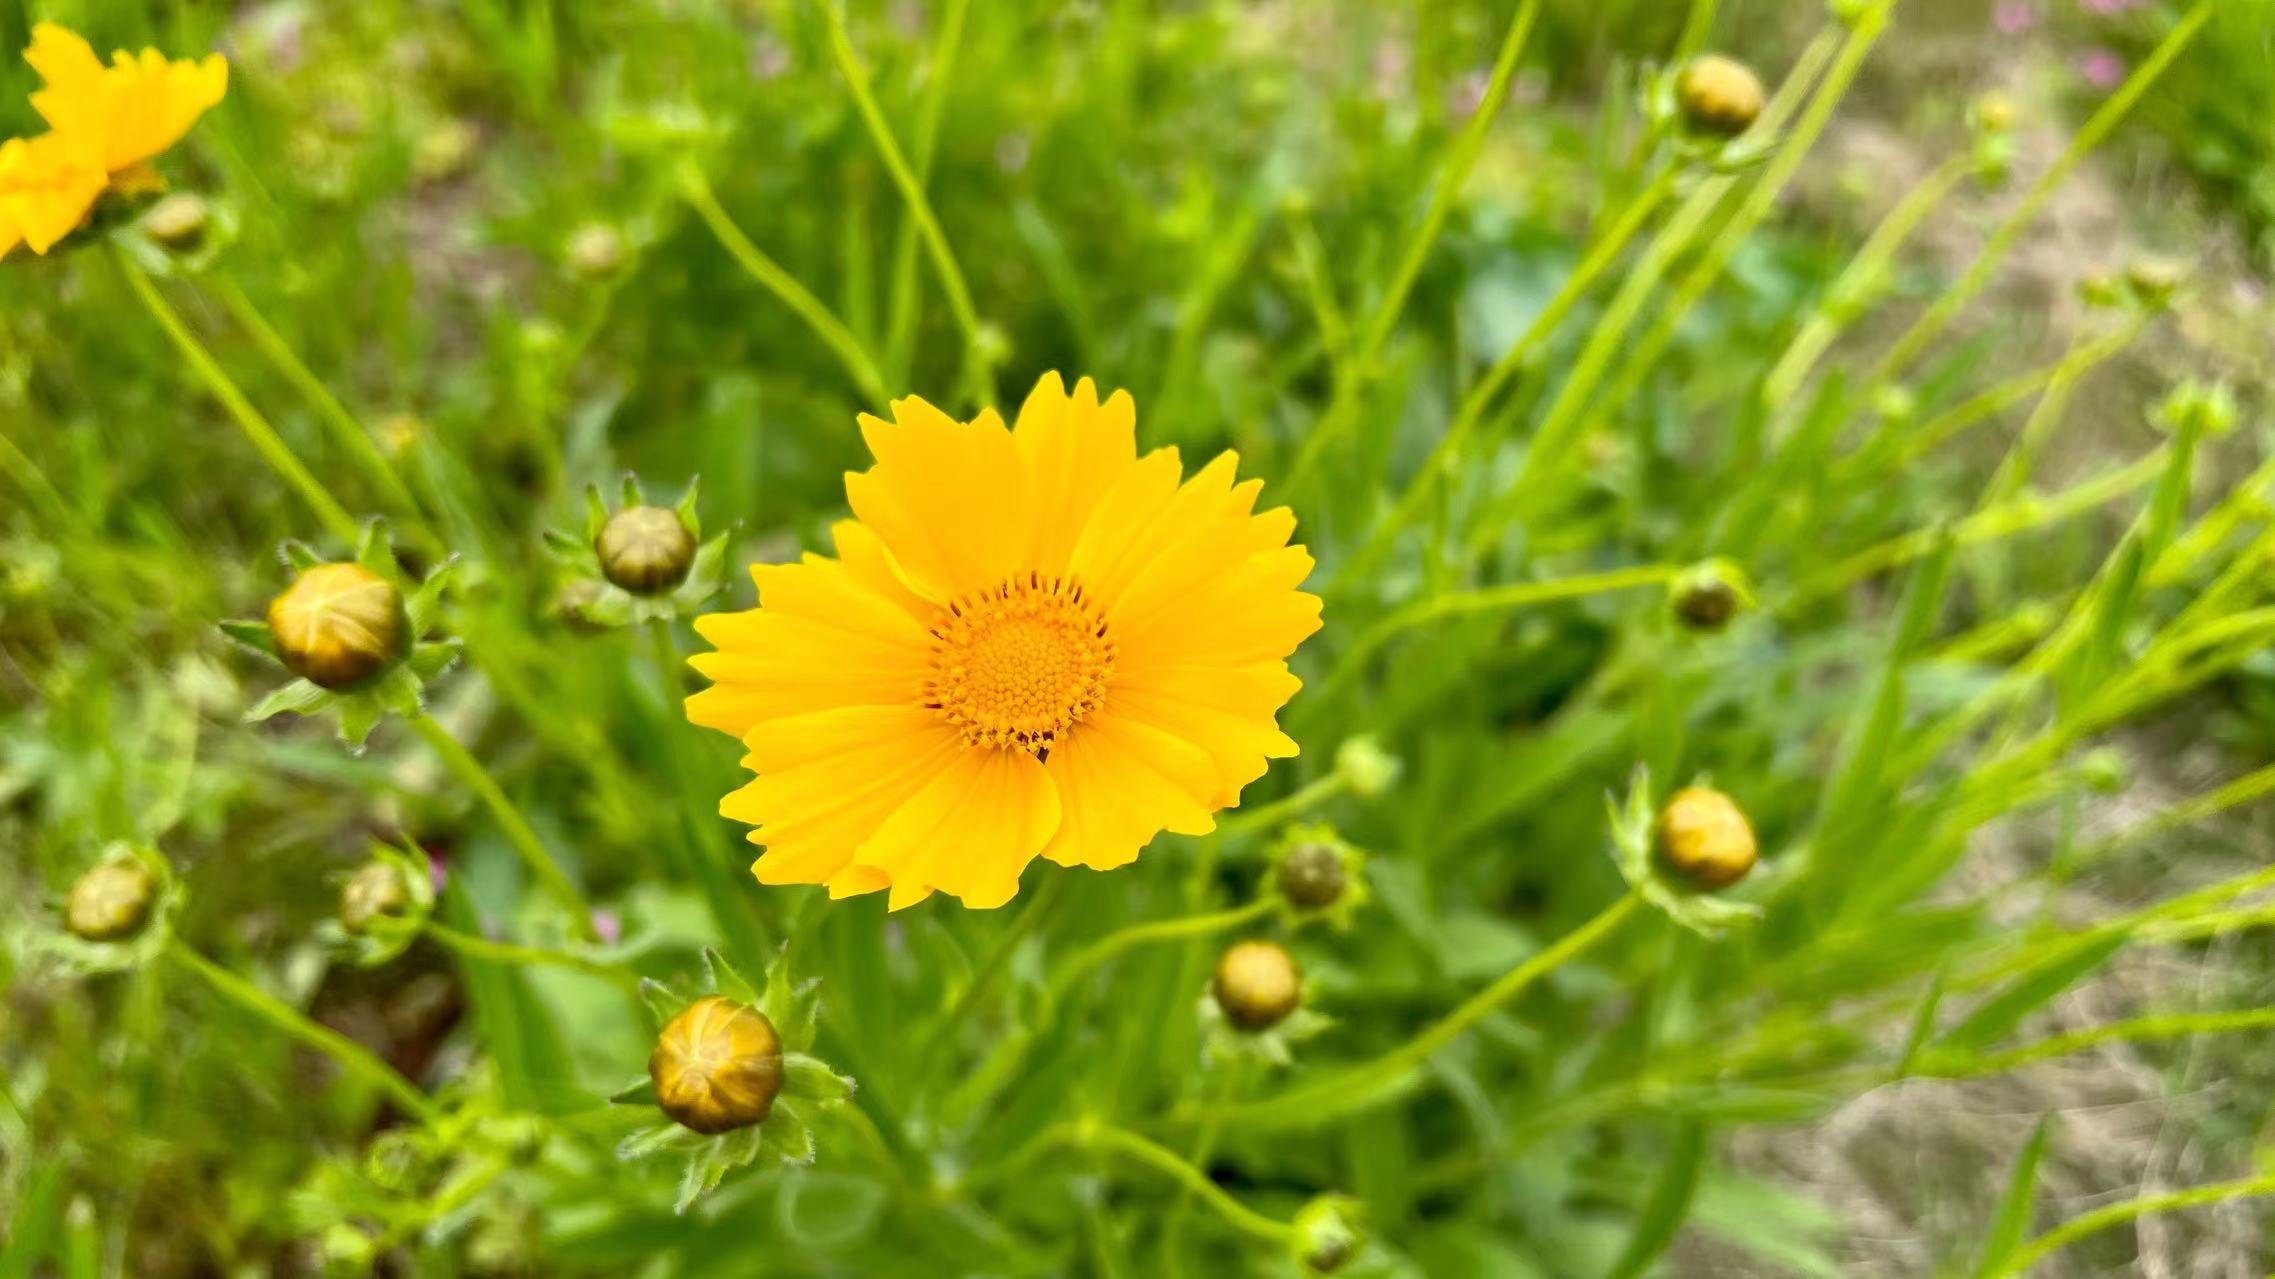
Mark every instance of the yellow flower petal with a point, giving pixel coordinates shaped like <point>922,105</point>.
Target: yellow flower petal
<point>47,184</point>
<point>129,111</point>
<point>1033,642</point>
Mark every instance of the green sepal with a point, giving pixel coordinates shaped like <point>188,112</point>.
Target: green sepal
<point>359,715</point>
<point>725,980</point>
<point>300,697</point>
<point>596,514</point>
<point>792,1008</point>
<point>1705,913</point>
<point>375,551</point>
<point>300,556</point>
<point>253,635</point>
<point>688,517</point>
<point>658,1139</point>
<point>640,1092</point>
<point>566,547</point>
<point>628,494</point>
<point>430,658</point>
<point>663,1002</point>
<point>422,605</point>
<point>811,1079</point>
<point>786,1135</point>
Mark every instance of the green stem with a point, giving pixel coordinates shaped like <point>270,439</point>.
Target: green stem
<point>919,207</point>
<point>2136,1030</point>
<point>696,190</point>
<point>352,1056</point>
<point>1440,463</point>
<point>1307,797</point>
<point>1451,178</point>
<point>983,977</point>
<point>1952,300</point>
<point>514,953</point>
<point>1204,1146</point>
<point>2100,1219</point>
<point>900,321</point>
<point>1093,1135</point>
<point>469,771</point>
<point>1489,599</point>
<point>1106,948</point>
<point>1363,1085</point>
<point>348,433</point>
<point>258,432</point>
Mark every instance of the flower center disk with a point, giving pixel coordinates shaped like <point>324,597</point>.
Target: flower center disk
<point>1017,665</point>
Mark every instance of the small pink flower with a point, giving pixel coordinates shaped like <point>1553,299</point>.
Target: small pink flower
<point>2101,68</point>
<point>2106,7</point>
<point>436,871</point>
<point>608,924</point>
<point>2013,17</point>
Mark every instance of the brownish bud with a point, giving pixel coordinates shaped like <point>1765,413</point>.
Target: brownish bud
<point>1706,602</point>
<point>376,889</point>
<point>645,549</point>
<point>178,221</point>
<point>1312,876</point>
<point>1703,838</point>
<point>338,625</point>
<point>1257,984</point>
<point>717,1066</point>
<point>110,902</point>
<point>1718,95</point>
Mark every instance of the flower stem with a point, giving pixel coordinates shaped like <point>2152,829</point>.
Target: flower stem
<point>2100,1219</point>
<point>352,1057</point>
<point>258,432</point>
<point>514,953</point>
<point>1307,797</point>
<point>919,207</point>
<point>1105,948</point>
<point>696,190</point>
<point>984,976</point>
<point>1363,1085</point>
<point>347,432</point>
<point>1096,1136</point>
<point>476,778</point>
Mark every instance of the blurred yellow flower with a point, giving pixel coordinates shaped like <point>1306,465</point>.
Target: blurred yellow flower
<point>105,124</point>
<point>1032,641</point>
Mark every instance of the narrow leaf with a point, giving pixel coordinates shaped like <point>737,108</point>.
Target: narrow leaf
<point>2012,1219</point>
<point>1996,1016</point>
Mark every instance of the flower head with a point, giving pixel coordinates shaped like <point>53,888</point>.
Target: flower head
<point>105,124</point>
<point>1718,95</point>
<point>645,549</point>
<point>1032,642</point>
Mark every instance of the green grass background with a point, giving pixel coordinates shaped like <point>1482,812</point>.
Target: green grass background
<point>2005,689</point>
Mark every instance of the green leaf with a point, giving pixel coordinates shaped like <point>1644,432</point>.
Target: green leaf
<point>298,697</point>
<point>1923,1023</point>
<point>517,1028</point>
<point>2012,1219</point>
<point>1670,1200</point>
<point>1999,1014</point>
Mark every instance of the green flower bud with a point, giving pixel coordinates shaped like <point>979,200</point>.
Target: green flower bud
<point>178,221</point>
<point>1705,598</point>
<point>596,251</point>
<point>645,549</point>
<point>1327,1234</point>
<point>717,1066</point>
<point>374,891</point>
<point>112,901</point>
<point>1257,985</point>
<point>1312,877</point>
<point>1367,769</point>
<point>338,625</point>
<point>1703,838</point>
<point>1718,95</point>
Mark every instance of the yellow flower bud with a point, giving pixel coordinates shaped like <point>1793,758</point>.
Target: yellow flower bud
<point>1718,95</point>
<point>338,625</point>
<point>376,889</point>
<point>717,1066</point>
<point>1311,876</point>
<point>1703,838</point>
<point>178,221</point>
<point>110,902</point>
<point>645,549</point>
<point>1996,111</point>
<point>1257,984</point>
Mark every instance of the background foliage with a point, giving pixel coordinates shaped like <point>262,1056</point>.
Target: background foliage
<point>2006,681</point>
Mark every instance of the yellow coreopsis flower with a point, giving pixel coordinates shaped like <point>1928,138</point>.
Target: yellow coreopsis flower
<point>106,123</point>
<point>1032,642</point>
